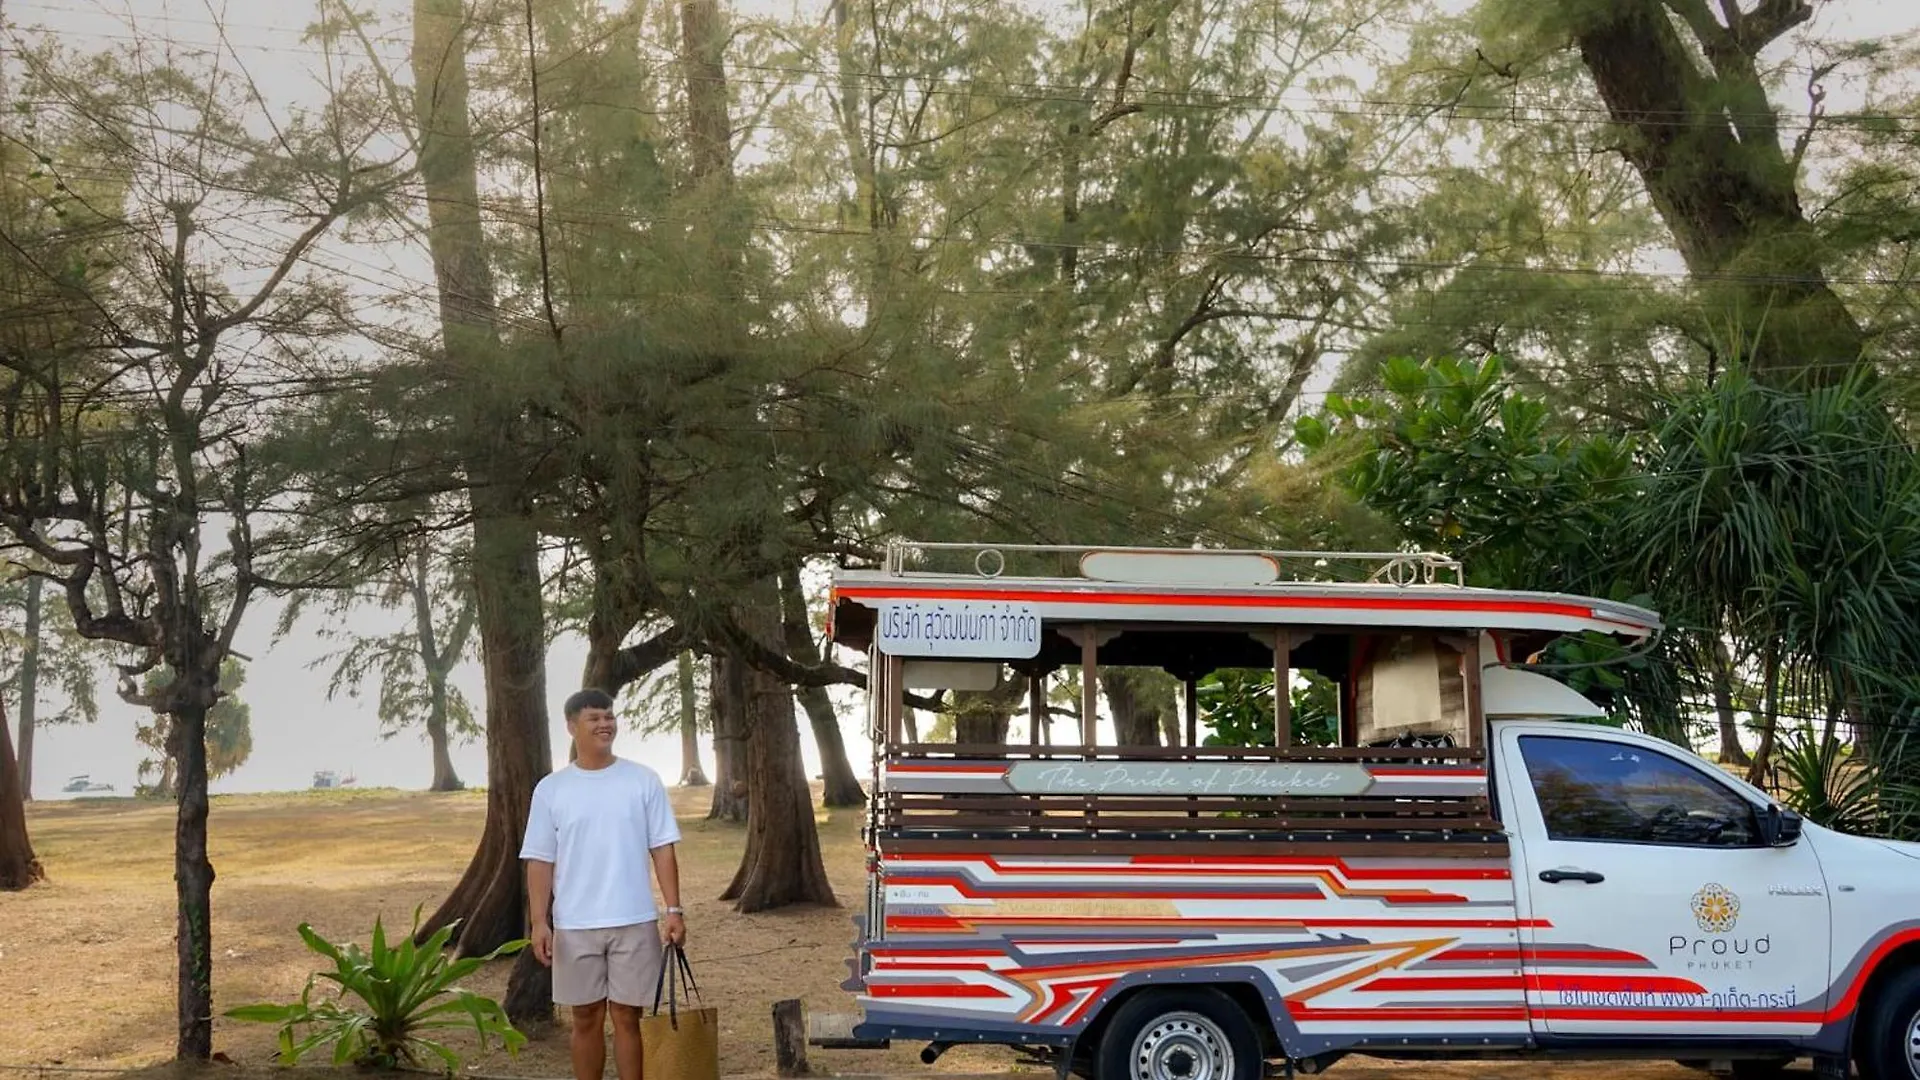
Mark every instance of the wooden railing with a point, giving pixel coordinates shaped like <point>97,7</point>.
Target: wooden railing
<point>1386,801</point>
<point>1362,754</point>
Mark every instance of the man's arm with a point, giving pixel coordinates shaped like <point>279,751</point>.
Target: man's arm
<point>540,849</point>
<point>539,901</point>
<point>666,870</point>
<point>663,832</point>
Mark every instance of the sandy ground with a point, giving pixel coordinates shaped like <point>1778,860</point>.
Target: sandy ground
<point>87,959</point>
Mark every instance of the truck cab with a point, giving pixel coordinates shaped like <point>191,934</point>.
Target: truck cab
<point>1478,866</point>
<point>1667,907</point>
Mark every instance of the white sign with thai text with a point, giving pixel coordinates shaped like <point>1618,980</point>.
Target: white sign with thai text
<point>1187,778</point>
<point>987,629</point>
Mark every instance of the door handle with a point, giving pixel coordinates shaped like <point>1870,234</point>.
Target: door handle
<point>1555,877</point>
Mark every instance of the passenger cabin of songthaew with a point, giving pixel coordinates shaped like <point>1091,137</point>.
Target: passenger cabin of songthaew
<point>1416,659</point>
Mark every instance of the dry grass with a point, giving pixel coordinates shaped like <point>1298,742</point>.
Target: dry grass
<point>87,960</point>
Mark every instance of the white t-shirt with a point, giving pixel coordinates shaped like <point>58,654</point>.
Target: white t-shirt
<point>598,827</point>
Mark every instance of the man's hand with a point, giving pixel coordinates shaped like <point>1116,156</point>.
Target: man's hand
<point>543,943</point>
<point>673,929</point>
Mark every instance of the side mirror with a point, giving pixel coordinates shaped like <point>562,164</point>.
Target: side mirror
<point>1779,827</point>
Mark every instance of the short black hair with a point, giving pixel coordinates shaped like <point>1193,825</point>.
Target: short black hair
<point>588,699</point>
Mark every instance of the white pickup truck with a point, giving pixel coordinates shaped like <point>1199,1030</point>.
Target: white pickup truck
<point>1471,871</point>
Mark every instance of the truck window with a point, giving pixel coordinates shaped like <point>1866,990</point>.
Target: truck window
<point>1609,792</point>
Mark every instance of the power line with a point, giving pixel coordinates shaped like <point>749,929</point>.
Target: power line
<point>1026,92</point>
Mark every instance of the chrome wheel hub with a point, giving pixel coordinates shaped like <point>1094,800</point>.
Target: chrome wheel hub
<point>1184,1046</point>
<point>1913,1046</point>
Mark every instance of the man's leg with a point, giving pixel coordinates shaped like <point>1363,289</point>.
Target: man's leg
<point>626,1041</point>
<point>589,1041</point>
<point>633,977</point>
<point>580,983</point>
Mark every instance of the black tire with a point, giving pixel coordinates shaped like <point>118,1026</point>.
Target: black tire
<point>1177,1023</point>
<point>1885,1047</point>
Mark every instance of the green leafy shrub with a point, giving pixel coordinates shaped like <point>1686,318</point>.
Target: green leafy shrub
<point>1829,784</point>
<point>404,991</point>
<point>1237,705</point>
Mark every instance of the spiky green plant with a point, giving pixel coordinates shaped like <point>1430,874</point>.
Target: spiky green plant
<point>404,990</point>
<point>1829,784</point>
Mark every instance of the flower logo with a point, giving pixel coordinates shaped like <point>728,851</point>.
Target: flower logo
<point>1716,909</point>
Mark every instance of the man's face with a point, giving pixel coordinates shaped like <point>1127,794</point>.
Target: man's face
<point>593,729</point>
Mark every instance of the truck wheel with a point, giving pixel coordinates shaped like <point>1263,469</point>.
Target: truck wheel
<point>1889,1044</point>
<point>1180,1035</point>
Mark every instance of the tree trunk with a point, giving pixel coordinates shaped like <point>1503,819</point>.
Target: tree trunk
<point>18,867</point>
<point>1136,722</point>
<point>983,718</point>
<point>168,786</point>
<point>193,873</point>
<point>613,665</point>
<point>841,782</point>
<point>30,686</point>
<point>1769,716</point>
<point>490,899</point>
<point>690,772</point>
<point>616,611</point>
<point>1721,667</point>
<point>728,690</point>
<point>782,864</point>
<point>703,41</point>
<point>436,661</point>
<point>1708,148</point>
<point>444,778</point>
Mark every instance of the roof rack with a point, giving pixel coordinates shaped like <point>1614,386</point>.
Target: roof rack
<point>908,558</point>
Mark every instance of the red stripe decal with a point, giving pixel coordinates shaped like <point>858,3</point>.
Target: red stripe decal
<point>1304,1014</point>
<point>1318,603</point>
<point>882,950</point>
<point>1684,1016</point>
<point>943,990</point>
<point>1608,984</point>
<point>1407,983</point>
<point>942,922</point>
<point>1170,864</point>
<point>1852,997</point>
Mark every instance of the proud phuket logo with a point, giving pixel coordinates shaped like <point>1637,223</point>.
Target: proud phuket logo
<point>1716,909</point>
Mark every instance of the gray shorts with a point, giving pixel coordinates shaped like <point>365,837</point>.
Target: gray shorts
<point>620,964</point>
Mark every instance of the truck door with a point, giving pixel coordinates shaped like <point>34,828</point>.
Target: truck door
<point>1649,903</point>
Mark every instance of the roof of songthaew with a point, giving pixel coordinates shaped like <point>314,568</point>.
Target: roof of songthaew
<point>1159,593</point>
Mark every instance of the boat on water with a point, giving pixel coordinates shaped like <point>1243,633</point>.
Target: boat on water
<point>84,784</point>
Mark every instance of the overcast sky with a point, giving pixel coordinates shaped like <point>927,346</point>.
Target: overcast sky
<point>295,729</point>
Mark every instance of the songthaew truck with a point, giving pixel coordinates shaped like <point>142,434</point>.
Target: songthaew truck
<point>1476,869</point>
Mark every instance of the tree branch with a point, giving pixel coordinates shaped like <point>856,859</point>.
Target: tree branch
<point>539,181</point>
<point>1816,111</point>
<point>1768,22</point>
<point>289,259</point>
<point>825,673</point>
<point>1716,40</point>
<point>637,660</point>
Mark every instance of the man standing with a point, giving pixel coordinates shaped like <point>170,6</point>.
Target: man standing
<point>594,827</point>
